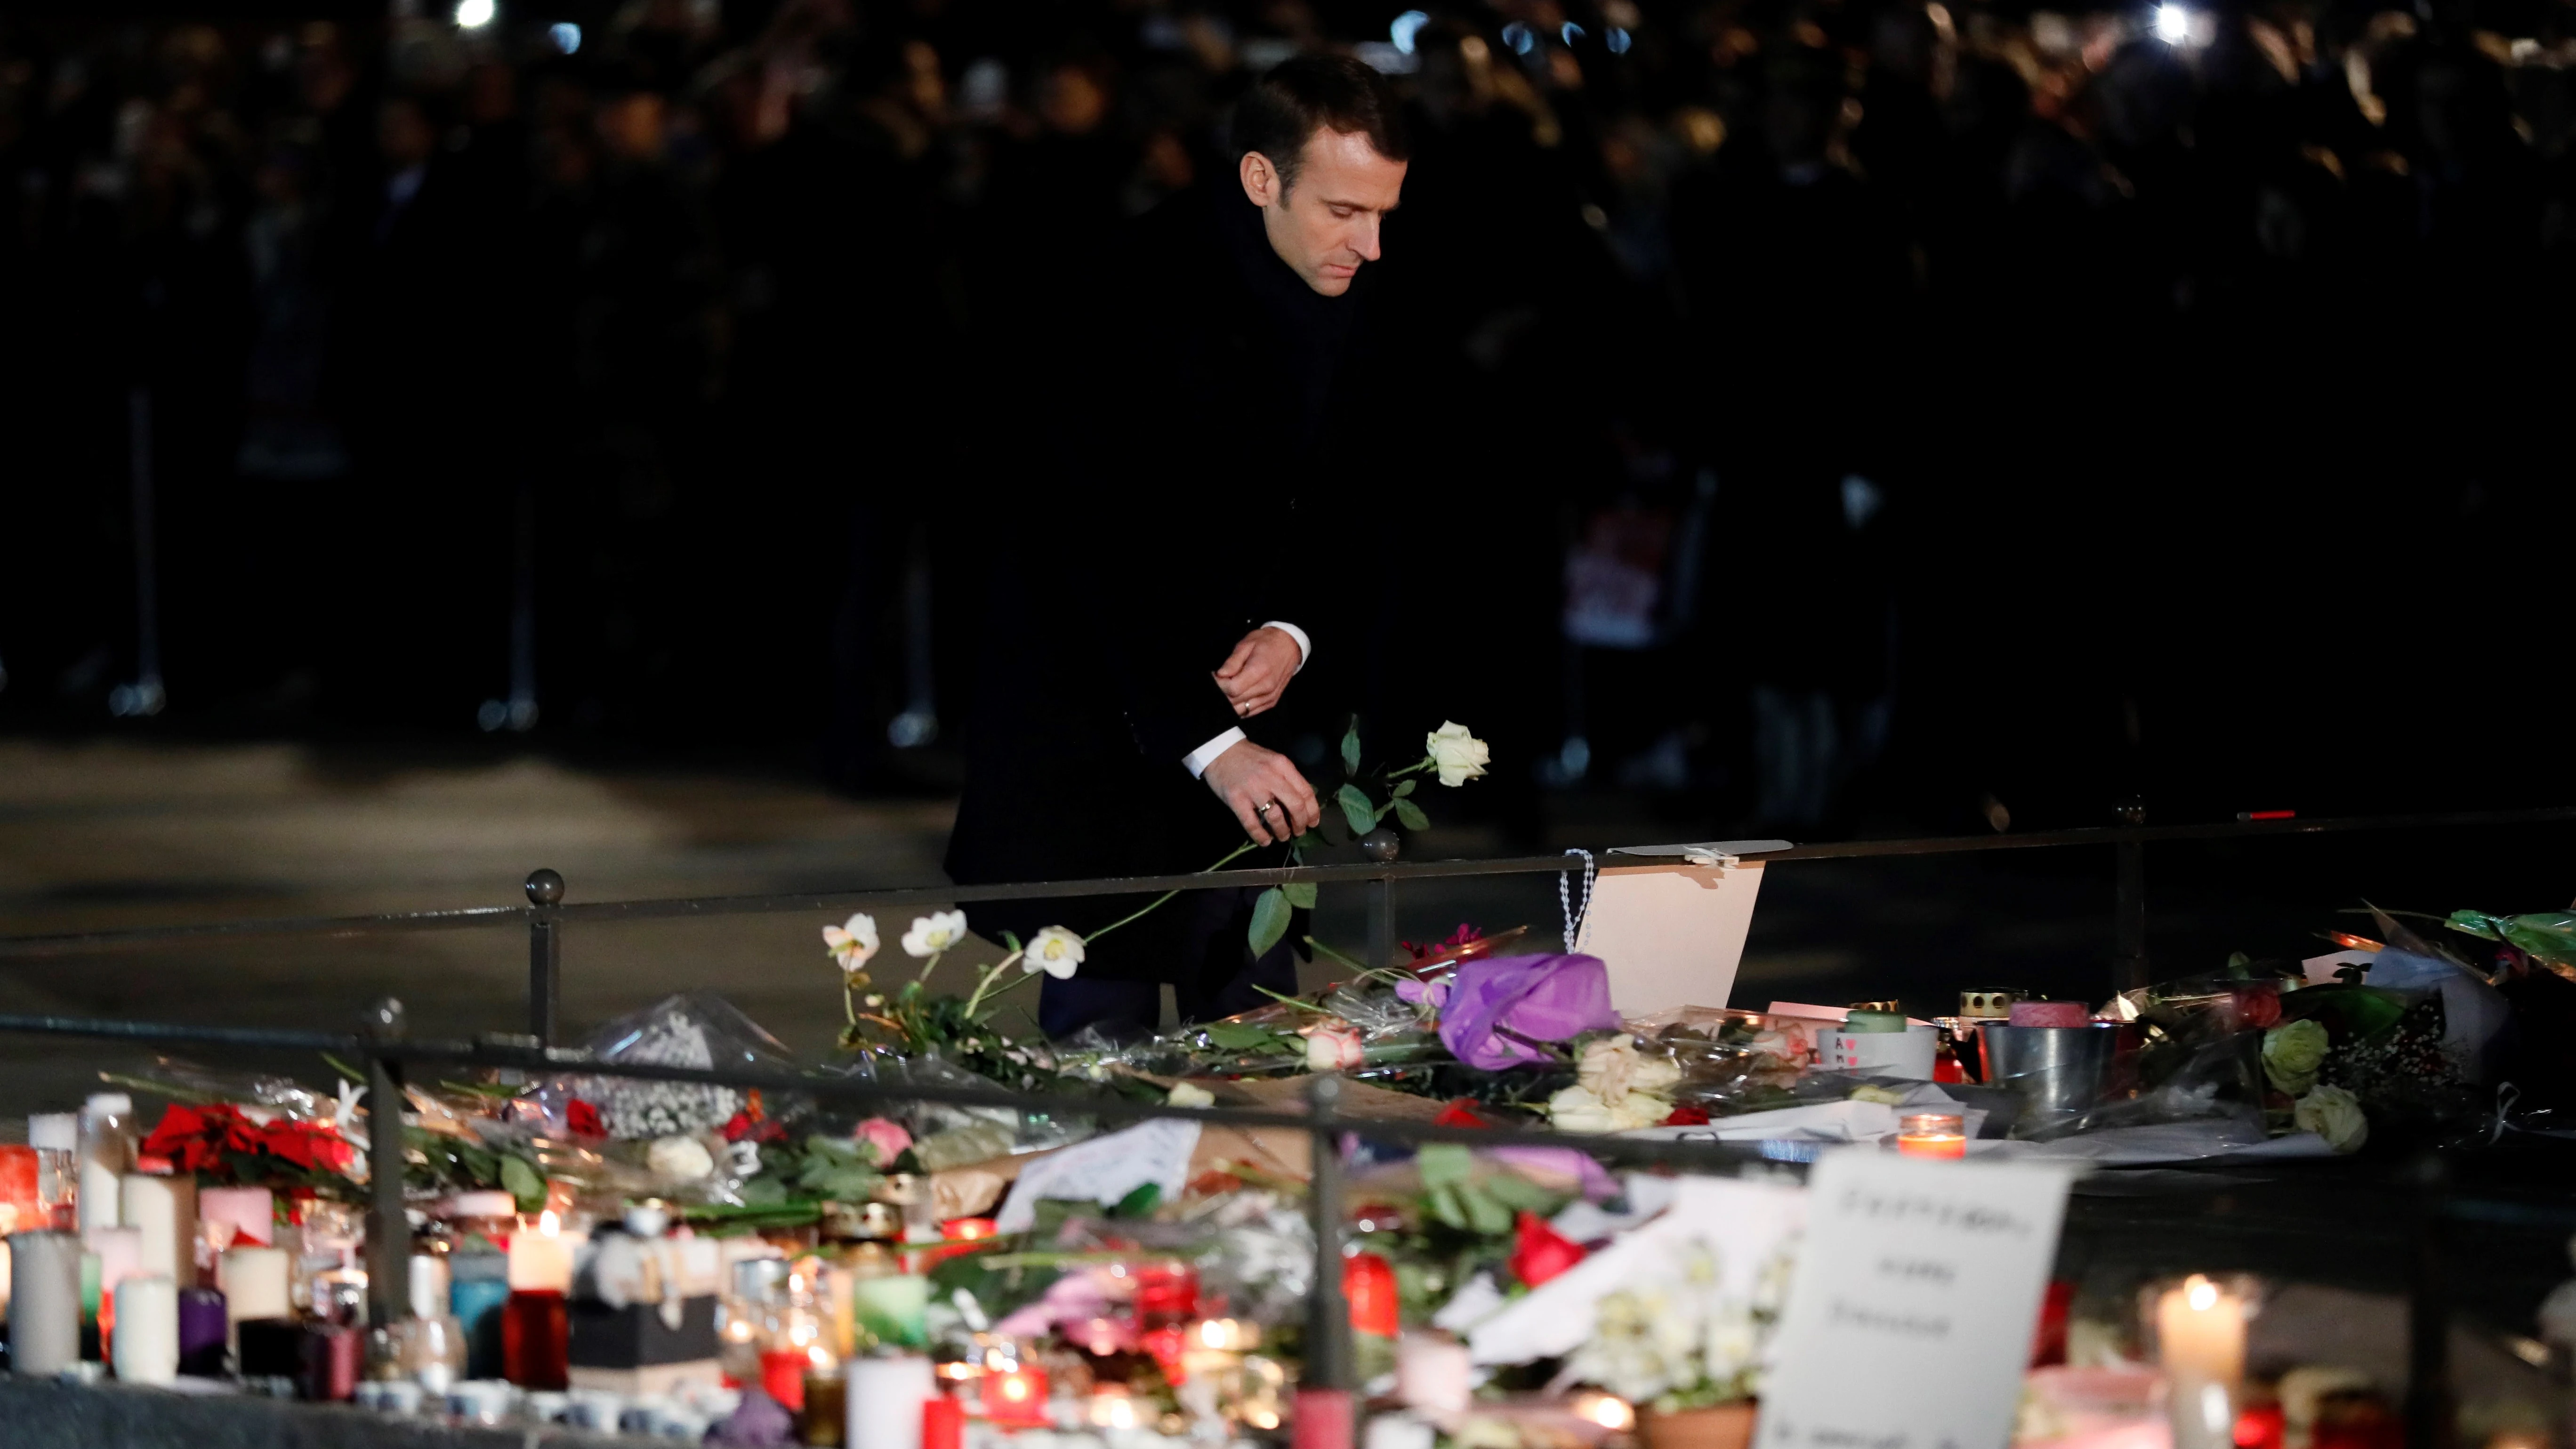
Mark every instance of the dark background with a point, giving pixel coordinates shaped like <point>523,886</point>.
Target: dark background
<point>1857,417</point>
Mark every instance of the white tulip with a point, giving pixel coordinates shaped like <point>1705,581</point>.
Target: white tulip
<point>1055,950</point>
<point>934,933</point>
<point>852,943</point>
<point>1460,756</point>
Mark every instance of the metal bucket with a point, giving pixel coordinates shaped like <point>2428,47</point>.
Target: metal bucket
<point>2060,1070</point>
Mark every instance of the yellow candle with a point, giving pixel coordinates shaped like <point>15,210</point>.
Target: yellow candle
<point>2200,1335</point>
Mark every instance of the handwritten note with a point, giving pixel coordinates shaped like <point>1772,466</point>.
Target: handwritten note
<point>1909,1323</point>
<point>1105,1169</point>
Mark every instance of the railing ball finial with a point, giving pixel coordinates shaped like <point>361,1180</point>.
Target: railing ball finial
<point>545,887</point>
<point>1381,845</point>
<point>384,1020</point>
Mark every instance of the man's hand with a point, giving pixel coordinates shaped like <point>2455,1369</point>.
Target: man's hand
<point>1264,790</point>
<point>1257,672</point>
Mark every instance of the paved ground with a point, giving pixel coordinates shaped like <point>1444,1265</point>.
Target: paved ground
<point>124,833</point>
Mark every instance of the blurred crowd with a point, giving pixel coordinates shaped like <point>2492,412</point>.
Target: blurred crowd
<point>1834,384</point>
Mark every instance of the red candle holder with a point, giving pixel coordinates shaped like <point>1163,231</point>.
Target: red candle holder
<point>1167,1294</point>
<point>1016,1397</point>
<point>782,1376</point>
<point>536,1340</point>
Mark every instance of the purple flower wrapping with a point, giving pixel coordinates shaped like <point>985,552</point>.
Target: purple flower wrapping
<point>1544,998</point>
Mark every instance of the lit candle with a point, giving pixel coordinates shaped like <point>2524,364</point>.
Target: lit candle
<point>1016,1396</point>
<point>44,1309</point>
<point>254,1281</point>
<point>20,1207</point>
<point>1932,1134</point>
<point>145,1348</point>
<point>541,1257</point>
<point>164,1211</point>
<point>230,1215</point>
<point>2200,1335</point>
<point>885,1398</point>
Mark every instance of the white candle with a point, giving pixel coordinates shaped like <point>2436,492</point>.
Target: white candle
<point>120,1256</point>
<point>254,1282</point>
<point>541,1257</point>
<point>2200,1335</point>
<point>885,1396</point>
<point>146,1348</point>
<point>164,1211</point>
<point>1433,1373</point>
<point>44,1312</point>
<point>106,1154</point>
<point>233,1215</point>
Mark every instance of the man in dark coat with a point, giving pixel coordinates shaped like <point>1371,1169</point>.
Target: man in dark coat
<point>1154,600</point>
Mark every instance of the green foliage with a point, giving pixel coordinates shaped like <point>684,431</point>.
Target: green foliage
<point>1241,1036</point>
<point>1404,788</point>
<point>1300,893</point>
<point>1357,809</point>
<point>1351,748</point>
<point>1269,920</point>
<point>1410,815</point>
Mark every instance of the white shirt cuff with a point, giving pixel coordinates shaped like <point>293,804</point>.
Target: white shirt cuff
<point>1205,755</point>
<point>1305,646</point>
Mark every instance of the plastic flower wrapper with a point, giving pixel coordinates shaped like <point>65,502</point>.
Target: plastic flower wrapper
<point>1018,1131</point>
<point>2548,937</point>
<point>693,1029</point>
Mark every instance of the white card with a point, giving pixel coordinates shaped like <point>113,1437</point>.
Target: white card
<point>1918,1286</point>
<point>1672,935</point>
<point>1105,1169</point>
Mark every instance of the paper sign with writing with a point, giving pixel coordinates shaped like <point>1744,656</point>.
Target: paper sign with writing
<point>1909,1323</point>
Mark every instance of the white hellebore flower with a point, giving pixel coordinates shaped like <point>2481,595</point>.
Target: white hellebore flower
<point>1055,951</point>
<point>2335,1115</point>
<point>1460,755</point>
<point>681,1159</point>
<point>1184,1094</point>
<point>934,933</point>
<point>852,942</point>
<point>1612,1068</point>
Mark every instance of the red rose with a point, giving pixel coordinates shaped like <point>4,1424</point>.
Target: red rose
<point>582,1120</point>
<point>2258,1006</point>
<point>1459,1113</point>
<point>1686,1115</point>
<point>1541,1252</point>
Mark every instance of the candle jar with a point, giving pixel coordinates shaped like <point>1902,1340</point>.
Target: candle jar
<point>536,1337</point>
<point>1932,1134</point>
<point>55,1139</point>
<point>2197,1328</point>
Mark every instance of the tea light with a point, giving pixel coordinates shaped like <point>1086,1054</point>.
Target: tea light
<point>541,1257</point>
<point>2200,1337</point>
<point>1932,1134</point>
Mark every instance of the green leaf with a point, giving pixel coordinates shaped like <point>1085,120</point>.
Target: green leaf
<point>1405,787</point>
<point>1410,816</point>
<point>1140,1203</point>
<point>1011,941</point>
<point>1351,748</point>
<point>1306,842</point>
<point>1238,1036</point>
<point>1357,809</point>
<point>1444,1205</point>
<point>1484,1214</point>
<point>1441,1163</point>
<point>1269,921</point>
<point>1300,893</point>
<point>521,1181</point>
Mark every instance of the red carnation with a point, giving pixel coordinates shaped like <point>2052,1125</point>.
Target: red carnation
<point>1541,1252</point>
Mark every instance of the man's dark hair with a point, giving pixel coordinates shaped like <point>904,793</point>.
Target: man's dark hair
<point>1306,92</point>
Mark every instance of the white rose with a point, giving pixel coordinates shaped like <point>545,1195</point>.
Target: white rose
<point>1333,1046</point>
<point>1460,755</point>
<point>2335,1115</point>
<point>1055,950</point>
<point>1578,1109</point>
<point>680,1159</point>
<point>1184,1094</point>
<point>1613,1068</point>
<point>1638,1109</point>
<point>852,943</point>
<point>934,933</point>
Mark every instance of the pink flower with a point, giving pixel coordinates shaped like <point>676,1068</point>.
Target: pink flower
<point>888,1138</point>
<point>1333,1045</point>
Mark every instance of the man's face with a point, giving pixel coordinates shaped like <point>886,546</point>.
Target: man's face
<point>1326,225</point>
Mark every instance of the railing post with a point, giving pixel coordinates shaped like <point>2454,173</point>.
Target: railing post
<point>1381,846</point>
<point>388,1228</point>
<point>545,955</point>
<point>2129,907</point>
<point>1326,1387</point>
<point>2429,1417</point>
